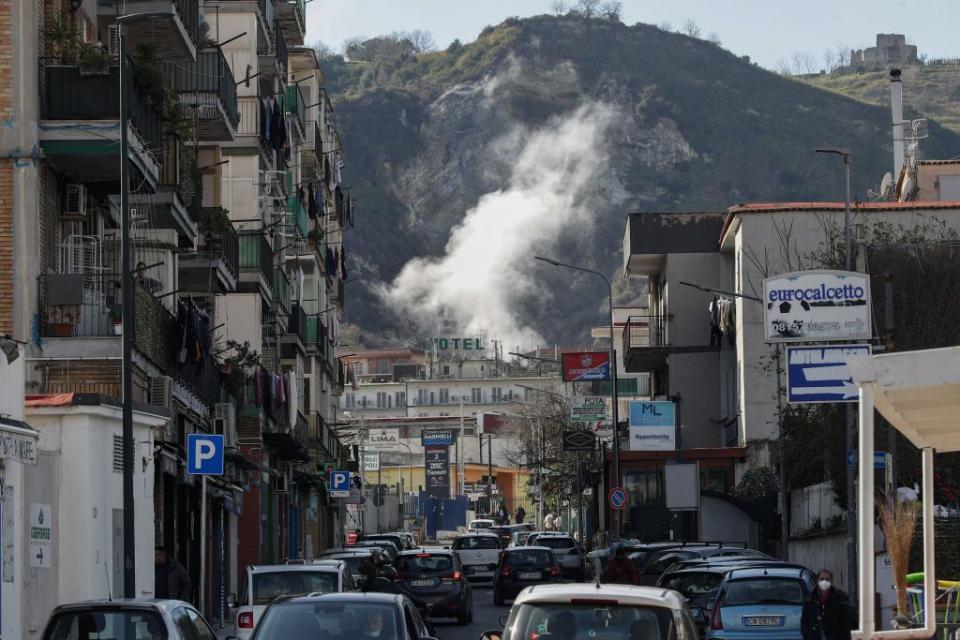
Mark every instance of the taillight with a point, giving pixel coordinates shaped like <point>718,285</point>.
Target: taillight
<point>245,620</point>
<point>555,570</point>
<point>505,571</point>
<point>457,576</point>
<point>716,622</point>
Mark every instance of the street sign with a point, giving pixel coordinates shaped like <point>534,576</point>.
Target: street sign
<point>383,440</point>
<point>588,409</point>
<point>817,306</point>
<point>205,454</point>
<point>820,374</point>
<point>577,440</point>
<point>41,535</point>
<point>879,459</point>
<point>371,461</point>
<point>437,437</point>
<point>339,484</point>
<point>617,498</point>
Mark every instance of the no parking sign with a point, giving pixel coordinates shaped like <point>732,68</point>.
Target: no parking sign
<point>617,498</point>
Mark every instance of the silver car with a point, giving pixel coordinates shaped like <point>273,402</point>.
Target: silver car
<point>565,549</point>
<point>133,618</point>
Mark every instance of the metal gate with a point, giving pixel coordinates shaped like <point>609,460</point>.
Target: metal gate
<point>445,514</point>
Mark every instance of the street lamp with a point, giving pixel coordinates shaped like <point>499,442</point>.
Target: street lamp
<point>613,377</point>
<point>849,435</point>
<point>127,311</point>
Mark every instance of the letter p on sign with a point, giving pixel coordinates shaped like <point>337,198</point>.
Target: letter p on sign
<point>205,454</point>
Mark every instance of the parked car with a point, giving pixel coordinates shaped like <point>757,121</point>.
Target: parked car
<point>523,526</point>
<point>436,576</point>
<point>400,541</point>
<point>662,560</point>
<point>353,557</point>
<point>388,547</point>
<point>699,585</point>
<point>480,524</point>
<point>121,619</point>
<point>521,567</point>
<point>608,611</point>
<point>354,615</point>
<point>502,532</point>
<point>263,584</point>
<point>760,602</point>
<point>518,538</point>
<point>567,552</point>
<point>479,554</point>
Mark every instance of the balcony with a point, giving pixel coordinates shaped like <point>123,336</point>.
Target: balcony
<point>208,91</point>
<point>297,331</point>
<point>297,106</point>
<point>281,290</point>
<point>267,14</point>
<point>291,19</point>
<point>645,345</point>
<point>256,263</point>
<point>217,258</point>
<point>298,214</point>
<point>176,34</point>
<point>276,62</point>
<point>316,335</point>
<point>87,152</point>
<point>311,153</point>
<point>317,436</point>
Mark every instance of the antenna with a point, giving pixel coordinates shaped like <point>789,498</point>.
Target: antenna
<point>886,188</point>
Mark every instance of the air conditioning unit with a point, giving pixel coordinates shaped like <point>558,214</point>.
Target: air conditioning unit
<point>113,40</point>
<point>161,391</point>
<point>225,423</point>
<point>75,201</point>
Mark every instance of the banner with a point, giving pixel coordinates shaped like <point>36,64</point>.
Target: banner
<point>436,462</point>
<point>653,426</point>
<point>437,437</point>
<point>588,409</point>
<point>581,366</point>
<point>817,306</point>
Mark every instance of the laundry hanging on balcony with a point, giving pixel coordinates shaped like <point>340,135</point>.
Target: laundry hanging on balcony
<point>193,329</point>
<point>722,320</point>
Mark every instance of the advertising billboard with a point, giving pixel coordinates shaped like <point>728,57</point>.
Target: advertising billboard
<point>817,306</point>
<point>436,461</point>
<point>653,426</point>
<point>581,366</point>
<point>437,437</point>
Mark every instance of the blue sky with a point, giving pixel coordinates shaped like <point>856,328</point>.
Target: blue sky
<point>766,30</point>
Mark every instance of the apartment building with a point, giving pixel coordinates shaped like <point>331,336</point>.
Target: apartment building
<point>237,221</point>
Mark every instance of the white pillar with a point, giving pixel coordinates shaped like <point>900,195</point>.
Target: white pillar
<point>866,514</point>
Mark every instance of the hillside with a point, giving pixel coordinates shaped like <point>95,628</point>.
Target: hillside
<point>931,91</point>
<point>538,138</point>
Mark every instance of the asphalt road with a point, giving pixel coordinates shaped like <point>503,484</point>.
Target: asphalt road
<point>486,616</point>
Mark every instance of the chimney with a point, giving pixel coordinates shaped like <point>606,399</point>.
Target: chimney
<point>896,112</point>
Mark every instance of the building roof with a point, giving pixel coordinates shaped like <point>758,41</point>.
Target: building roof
<point>88,400</point>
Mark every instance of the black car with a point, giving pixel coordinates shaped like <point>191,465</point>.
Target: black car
<point>436,576</point>
<point>402,542</point>
<point>660,561</point>
<point>343,615</point>
<point>521,567</point>
<point>386,546</point>
<point>354,557</point>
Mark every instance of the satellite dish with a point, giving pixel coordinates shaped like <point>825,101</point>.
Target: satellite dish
<point>886,185</point>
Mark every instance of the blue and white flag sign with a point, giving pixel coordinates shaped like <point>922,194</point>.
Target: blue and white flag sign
<point>820,374</point>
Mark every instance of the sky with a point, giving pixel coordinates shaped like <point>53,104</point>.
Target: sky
<point>766,30</point>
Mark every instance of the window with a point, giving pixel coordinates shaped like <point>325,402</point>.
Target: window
<point>400,399</point>
<point>754,591</point>
<point>269,585</point>
<point>421,396</point>
<point>114,623</point>
<point>432,397</point>
<point>476,395</point>
<point>444,396</point>
<point>644,485</point>
<point>446,369</point>
<point>497,394</point>
<point>203,632</point>
<point>383,366</point>
<point>381,399</point>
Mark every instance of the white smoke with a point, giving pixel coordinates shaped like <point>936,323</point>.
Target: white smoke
<point>488,262</point>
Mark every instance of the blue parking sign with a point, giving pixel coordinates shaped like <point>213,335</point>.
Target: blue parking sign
<point>339,481</point>
<point>205,454</point>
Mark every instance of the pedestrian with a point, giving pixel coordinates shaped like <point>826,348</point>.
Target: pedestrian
<point>172,582</point>
<point>504,514</point>
<point>370,571</point>
<point>548,522</point>
<point>521,514</point>
<point>620,569</point>
<point>827,614</point>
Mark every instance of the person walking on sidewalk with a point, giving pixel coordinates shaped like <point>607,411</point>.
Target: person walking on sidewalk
<point>172,582</point>
<point>827,614</point>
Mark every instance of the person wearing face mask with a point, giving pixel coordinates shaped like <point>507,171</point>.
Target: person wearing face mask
<point>827,614</point>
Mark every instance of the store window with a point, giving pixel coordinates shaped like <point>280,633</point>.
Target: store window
<point>644,485</point>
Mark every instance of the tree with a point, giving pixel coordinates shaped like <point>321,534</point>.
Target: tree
<point>422,41</point>
<point>691,29</point>
<point>558,7</point>
<point>829,59</point>
<point>588,8</point>
<point>611,10</point>
<point>323,50</point>
<point>783,67</point>
<point>666,27</point>
<point>713,38</point>
<point>804,62</point>
<point>843,55</point>
<point>455,47</point>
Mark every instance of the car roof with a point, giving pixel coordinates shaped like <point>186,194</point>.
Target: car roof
<point>481,520</point>
<point>121,603</point>
<point>318,565</point>
<point>767,572</point>
<point>362,551</point>
<point>623,594</point>
<point>707,568</point>
<point>478,534</point>
<point>430,550</point>
<point>348,596</point>
<point>527,548</point>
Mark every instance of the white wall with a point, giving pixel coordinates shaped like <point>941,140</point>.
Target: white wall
<point>15,515</point>
<point>724,521</point>
<point>241,315</point>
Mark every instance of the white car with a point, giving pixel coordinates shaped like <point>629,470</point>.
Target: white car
<point>476,526</point>
<point>479,554</point>
<point>565,548</point>
<point>263,584</point>
<point>598,611</point>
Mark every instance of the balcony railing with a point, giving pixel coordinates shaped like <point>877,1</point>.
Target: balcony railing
<point>266,9</point>
<point>256,254</point>
<point>300,430</point>
<point>280,52</point>
<point>223,243</point>
<point>642,332</point>
<point>296,105</point>
<point>190,14</point>
<point>208,85</point>
<point>298,214</point>
<point>297,323</point>
<point>204,378</point>
<point>72,96</point>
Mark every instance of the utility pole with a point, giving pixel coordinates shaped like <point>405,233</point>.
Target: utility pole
<point>490,473</point>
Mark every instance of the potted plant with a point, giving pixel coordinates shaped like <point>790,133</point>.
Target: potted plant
<point>94,60</point>
<point>899,520</point>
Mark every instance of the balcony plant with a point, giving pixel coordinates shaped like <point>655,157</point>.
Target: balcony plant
<point>63,41</point>
<point>94,59</point>
<point>153,81</point>
<point>61,321</point>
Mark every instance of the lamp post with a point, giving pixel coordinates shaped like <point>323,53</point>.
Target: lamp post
<point>850,425</point>
<point>613,378</point>
<point>127,317</point>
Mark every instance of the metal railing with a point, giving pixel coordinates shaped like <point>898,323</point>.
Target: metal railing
<point>203,378</point>
<point>317,141</point>
<point>266,10</point>
<point>190,15</point>
<point>79,305</point>
<point>297,323</point>
<point>297,105</point>
<point>207,80</point>
<point>298,215</point>
<point>643,332</point>
<point>72,96</point>
<point>280,52</point>
<point>224,244</point>
<point>299,430</point>
<point>281,289</point>
<point>256,254</point>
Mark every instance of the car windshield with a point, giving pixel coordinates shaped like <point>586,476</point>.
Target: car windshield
<point>353,560</point>
<point>269,585</point>
<point>555,543</point>
<point>422,563</point>
<point>691,585</point>
<point>481,524</point>
<point>530,558</point>
<point>104,623</point>
<point>600,620</point>
<point>329,620</point>
<point>476,543</point>
<point>763,591</point>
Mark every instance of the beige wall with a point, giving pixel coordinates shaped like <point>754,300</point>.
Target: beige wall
<point>240,313</point>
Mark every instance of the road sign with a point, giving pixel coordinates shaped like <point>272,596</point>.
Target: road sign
<point>41,535</point>
<point>879,459</point>
<point>820,374</point>
<point>339,484</point>
<point>205,454</point>
<point>588,409</point>
<point>617,498</point>
<point>583,366</point>
<point>577,440</point>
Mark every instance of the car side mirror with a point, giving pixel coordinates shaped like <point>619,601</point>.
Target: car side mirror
<point>491,635</point>
<point>697,614</point>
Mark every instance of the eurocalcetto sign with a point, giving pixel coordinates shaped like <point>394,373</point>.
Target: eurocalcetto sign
<point>582,366</point>
<point>437,437</point>
<point>817,306</point>
<point>653,426</point>
<point>436,461</point>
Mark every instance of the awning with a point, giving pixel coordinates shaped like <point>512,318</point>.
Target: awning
<point>18,441</point>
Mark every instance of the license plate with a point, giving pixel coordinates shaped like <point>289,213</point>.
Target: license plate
<point>529,575</point>
<point>763,621</point>
<point>421,583</point>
